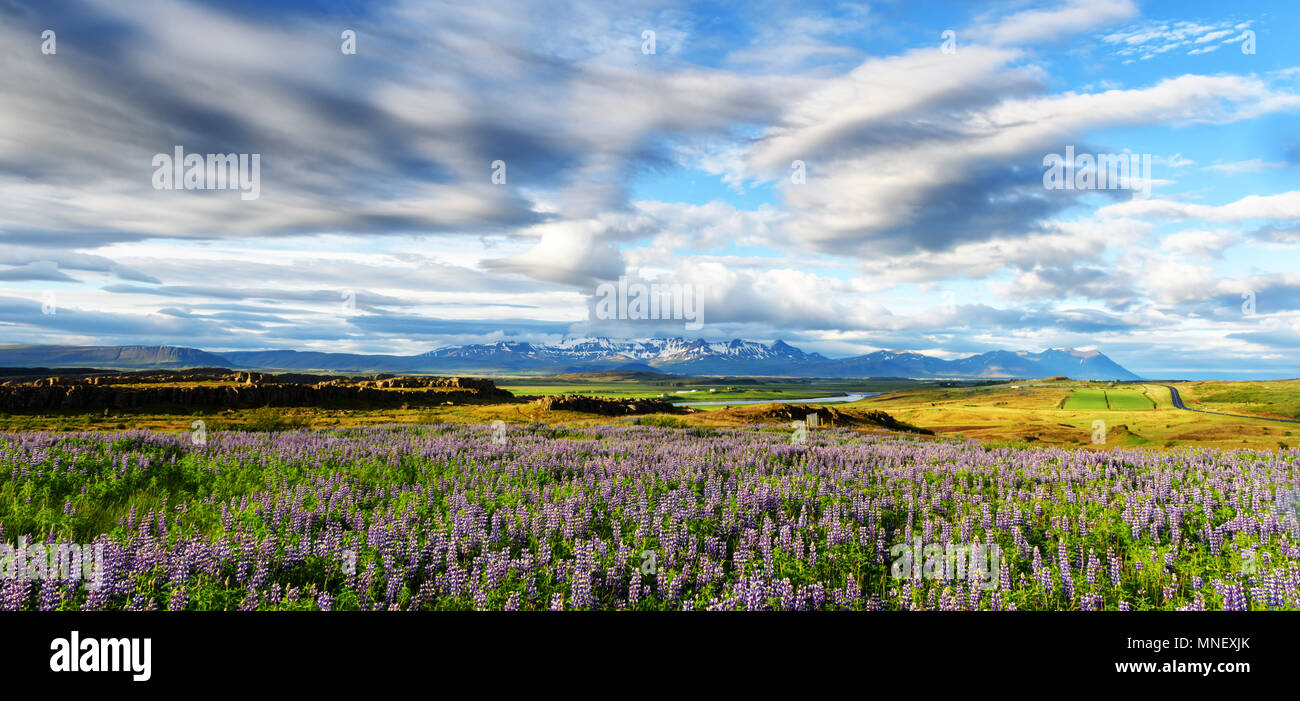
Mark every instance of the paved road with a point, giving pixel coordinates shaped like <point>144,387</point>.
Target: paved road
<point>1178,404</point>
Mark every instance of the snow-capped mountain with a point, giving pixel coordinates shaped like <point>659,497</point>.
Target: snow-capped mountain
<point>669,355</point>
<point>596,348</point>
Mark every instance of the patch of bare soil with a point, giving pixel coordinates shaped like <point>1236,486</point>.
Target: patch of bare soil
<point>827,416</point>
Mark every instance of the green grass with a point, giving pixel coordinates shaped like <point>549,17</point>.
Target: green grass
<point>1128,400</point>
<point>1107,400</point>
<point>1087,400</point>
<point>1265,398</point>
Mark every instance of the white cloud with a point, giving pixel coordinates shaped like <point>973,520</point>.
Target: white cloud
<point>1207,245</point>
<point>1151,38</point>
<point>1283,206</point>
<point>1035,26</point>
<point>1254,165</point>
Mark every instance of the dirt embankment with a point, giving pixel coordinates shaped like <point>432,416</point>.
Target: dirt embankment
<point>826,416</point>
<point>607,406</point>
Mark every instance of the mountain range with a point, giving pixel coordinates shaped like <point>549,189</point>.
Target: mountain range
<point>666,355</point>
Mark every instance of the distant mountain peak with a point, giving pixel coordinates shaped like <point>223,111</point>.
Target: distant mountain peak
<point>1078,352</point>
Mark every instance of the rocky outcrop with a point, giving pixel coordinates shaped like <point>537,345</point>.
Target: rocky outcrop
<point>826,416</point>
<point>240,390</point>
<point>606,406</point>
<point>454,383</point>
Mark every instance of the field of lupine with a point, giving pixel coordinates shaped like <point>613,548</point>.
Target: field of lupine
<point>443,517</point>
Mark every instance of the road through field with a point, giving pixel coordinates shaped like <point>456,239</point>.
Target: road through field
<point>1178,404</point>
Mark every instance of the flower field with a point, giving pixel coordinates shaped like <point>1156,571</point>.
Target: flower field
<point>457,517</point>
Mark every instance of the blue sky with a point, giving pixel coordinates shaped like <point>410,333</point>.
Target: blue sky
<point>922,224</point>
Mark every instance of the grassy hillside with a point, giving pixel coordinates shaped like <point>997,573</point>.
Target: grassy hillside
<point>1064,412</point>
<point>1277,399</point>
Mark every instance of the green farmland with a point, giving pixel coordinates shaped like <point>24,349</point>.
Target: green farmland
<point>1107,400</point>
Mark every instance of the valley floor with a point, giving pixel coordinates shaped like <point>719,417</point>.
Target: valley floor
<point>1087,415</point>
